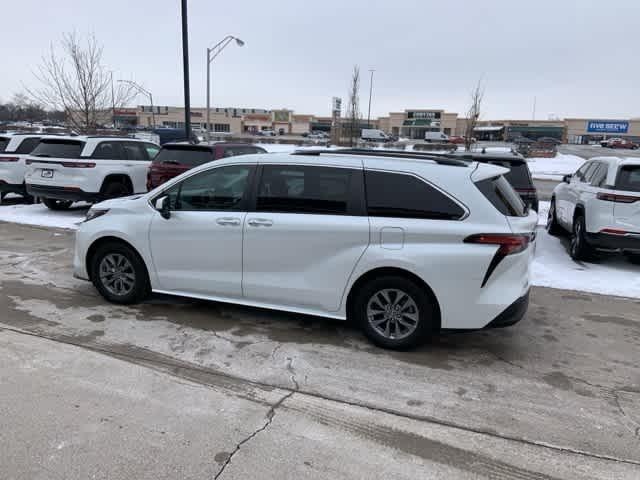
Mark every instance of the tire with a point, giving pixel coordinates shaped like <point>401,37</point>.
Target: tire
<point>54,204</point>
<point>115,189</point>
<point>115,259</point>
<point>553,227</point>
<point>419,321</point>
<point>579,249</point>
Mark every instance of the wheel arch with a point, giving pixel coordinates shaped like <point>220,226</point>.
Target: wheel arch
<point>117,177</point>
<point>395,271</point>
<point>93,248</point>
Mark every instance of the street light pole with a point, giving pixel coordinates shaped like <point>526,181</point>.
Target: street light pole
<point>370,92</point>
<point>145,92</point>
<point>185,70</point>
<point>212,53</point>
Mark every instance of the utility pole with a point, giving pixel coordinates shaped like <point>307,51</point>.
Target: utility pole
<point>113,103</point>
<point>370,92</point>
<point>534,108</point>
<point>185,70</point>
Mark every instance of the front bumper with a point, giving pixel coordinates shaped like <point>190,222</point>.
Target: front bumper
<point>63,193</point>
<point>623,243</point>
<point>512,315</point>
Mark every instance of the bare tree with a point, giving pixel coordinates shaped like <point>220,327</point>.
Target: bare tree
<point>72,78</point>
<point>353,107</point>
<point>473,114</point>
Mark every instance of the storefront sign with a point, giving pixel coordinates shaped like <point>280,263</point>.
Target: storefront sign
<point>336,107</point>
<point>607,126</point>
<point>422,115</point>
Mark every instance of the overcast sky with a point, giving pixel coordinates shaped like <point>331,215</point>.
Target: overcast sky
<point>578,57</point>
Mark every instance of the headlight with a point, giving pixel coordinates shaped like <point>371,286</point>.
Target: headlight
<point>94,213</point>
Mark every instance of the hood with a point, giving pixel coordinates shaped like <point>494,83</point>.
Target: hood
<point>116,202</point>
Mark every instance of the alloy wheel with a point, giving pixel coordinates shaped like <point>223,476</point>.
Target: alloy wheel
<point>117,274</point>
<point>392,313</point>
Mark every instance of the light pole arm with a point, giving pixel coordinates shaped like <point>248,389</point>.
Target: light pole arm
<point>218,47</point>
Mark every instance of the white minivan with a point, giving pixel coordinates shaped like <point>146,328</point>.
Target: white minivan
<point>403,244</point>
<point>436,137</point>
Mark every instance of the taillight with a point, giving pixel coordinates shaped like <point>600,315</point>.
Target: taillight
<point>614,197</point>
<point>78,164</point>
<point>508,244</point>
<point>9,159</point>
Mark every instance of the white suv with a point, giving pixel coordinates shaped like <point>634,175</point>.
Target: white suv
<point>405,244</point>
<point>13,153</point>
<point>67,169</point>
<point>600,206</point>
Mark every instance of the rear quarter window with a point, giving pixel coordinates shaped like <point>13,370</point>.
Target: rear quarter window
<point>58,149</point>
<point>518,175</point>
<point>502,196</point>
<point>405,196</point>
<point>628,178</point>
<point>27,145</point>
<point>4,141</point>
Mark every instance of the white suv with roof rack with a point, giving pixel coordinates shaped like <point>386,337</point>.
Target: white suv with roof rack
<point>62,170</point>
<point>600,206</point>
<point>14,150</point>
<point>405,244</point>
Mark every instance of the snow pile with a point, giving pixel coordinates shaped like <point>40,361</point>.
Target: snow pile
<point>41,216</point>
<point>554,168</point>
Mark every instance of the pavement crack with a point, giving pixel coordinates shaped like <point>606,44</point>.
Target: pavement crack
<point>271,413</point>
<point>629,422</point>
<point>293,373</point>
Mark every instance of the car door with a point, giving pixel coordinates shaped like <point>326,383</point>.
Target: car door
<point>198,250</point>
<point>305,235</point>
<point>567,205</point>
<point>136,164</point>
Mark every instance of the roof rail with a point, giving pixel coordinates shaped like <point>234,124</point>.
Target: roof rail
<point>442,160</point>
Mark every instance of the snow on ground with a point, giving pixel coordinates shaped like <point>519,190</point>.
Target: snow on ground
<point>554,168</point>
<point>553,267</point>
<point>40,215</point>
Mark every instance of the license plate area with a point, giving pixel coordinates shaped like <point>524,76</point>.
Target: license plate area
<point>46,173</point>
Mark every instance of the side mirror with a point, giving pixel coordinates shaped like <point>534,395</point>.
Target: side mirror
<point>162,204</point>
<point>567,178</point>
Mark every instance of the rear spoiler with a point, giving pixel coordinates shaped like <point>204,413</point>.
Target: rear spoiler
<point>485,170</point>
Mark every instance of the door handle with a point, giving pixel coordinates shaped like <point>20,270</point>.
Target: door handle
<point>229,221</point>
<point>260,222</point>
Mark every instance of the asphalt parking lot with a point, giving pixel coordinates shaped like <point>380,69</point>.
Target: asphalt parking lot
<point>232,391</point>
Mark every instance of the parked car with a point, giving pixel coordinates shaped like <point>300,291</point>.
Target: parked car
<point>14,150</point>
<point>373,135</point>
<point>519,175</point>
<point>318,135</point>
<point>621,143</point>
<point>458,140</point>
<point>403,247</point>
<point>600,206</point>
<point>62,170</point>
<point>267,133</point>
<point>436,137</point>
<point>175,159</point>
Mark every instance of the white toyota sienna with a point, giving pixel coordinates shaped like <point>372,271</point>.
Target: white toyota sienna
<point>404,244</point>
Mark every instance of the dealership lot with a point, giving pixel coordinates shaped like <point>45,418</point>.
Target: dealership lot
<point>558,391</point>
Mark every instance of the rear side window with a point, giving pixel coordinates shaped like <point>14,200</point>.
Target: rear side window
<point>190,156</point>
<point>518,174</point>
<point>109,151</point>
<point>58,149</point>
<point>152,150</point>
<point>4,141</point>
<point>27,145</point>
<point>134,151</point>
<point>296,189</point>
<point>629,178</point>
<point>405,196</point>
<point>502,196</point>
<point>599,175</point>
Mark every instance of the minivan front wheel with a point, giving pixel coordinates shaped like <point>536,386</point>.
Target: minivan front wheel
<point>394,312</point>
<point>119,274</point>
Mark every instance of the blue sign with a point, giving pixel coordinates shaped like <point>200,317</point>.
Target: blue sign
<point>607,126</point>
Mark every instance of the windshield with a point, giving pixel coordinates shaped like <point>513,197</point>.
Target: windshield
<point>629,178</point>
<point>58,149</point>
<point>518,174</point>
<point>190,156</point>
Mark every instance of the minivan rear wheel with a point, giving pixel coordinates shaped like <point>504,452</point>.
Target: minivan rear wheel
<point>54,204</point>
<point>394,312</point>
